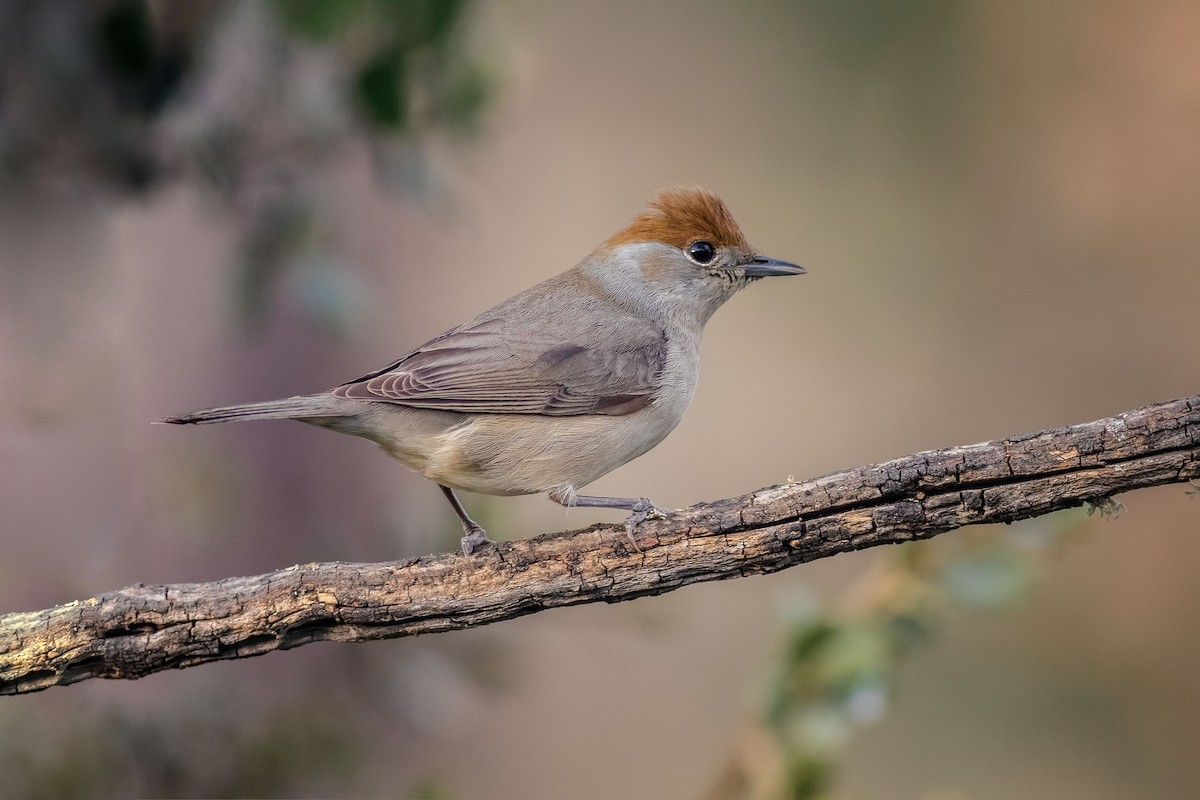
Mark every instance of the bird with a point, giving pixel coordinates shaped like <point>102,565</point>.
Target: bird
<point>560,384</point>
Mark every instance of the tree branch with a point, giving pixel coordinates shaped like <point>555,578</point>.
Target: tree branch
<point>143,629</point>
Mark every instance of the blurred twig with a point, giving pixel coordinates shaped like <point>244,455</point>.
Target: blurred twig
<point>143,629</point>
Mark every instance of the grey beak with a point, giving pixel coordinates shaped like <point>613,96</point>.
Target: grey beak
<point>763,267</point>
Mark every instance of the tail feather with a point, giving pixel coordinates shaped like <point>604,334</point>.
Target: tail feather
<point>315,405</point>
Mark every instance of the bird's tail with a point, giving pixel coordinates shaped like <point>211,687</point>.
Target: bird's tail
<point>301,407</point>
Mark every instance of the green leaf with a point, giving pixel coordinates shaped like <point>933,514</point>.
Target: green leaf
<point>464,98</point>
<point>811,638</point>
<point>318,20</point>
<point>126,38</point>
<point>382,89</point>
<point>990,579</point>
<point>417,23</point>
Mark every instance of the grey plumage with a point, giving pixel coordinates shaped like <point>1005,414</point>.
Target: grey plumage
<point>529,355</point>
<point>560,384</point>
<point>288,408</point>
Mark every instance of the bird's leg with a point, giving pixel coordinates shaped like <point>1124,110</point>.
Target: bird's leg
<point>473,533</point>
<point>640,507</point>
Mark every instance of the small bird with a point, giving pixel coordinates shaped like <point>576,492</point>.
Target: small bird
<point>562,383</point>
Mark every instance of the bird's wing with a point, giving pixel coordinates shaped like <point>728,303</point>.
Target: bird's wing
<point>493,366</point>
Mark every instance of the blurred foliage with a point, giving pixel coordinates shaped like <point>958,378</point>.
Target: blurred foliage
<point>247,100</point>
<point>856,32</point>
<point>838,667</point>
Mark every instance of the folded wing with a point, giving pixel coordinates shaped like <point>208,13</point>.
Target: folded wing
<point>488,367</point>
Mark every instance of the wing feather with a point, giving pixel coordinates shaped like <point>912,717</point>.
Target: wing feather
<point>539,366</point>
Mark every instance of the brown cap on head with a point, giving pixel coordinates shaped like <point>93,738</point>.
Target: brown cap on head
<point>680,215</point>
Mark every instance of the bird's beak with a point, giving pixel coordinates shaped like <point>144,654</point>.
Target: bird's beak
<point>763,267</point>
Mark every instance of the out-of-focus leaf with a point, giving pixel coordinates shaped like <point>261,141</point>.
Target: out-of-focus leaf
<point>319,20</point>
<point>431,789</point>
<point>852,653</point>
<point>464,97</point>
<point>990,579</point>
<point>126,39</point>
<point>859,30</point>
<point>908,628</point>
<point>146,70</point>
<point>822,729</point>
<point>811,638</point>
<point>808,778</point>
<point>382,89</point>
<point>417,23</point>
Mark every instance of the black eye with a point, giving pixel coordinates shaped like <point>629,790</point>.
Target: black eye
<point>701,252</point>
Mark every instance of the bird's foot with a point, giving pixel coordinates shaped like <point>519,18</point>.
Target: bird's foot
<point>642,510</point>
<point>475,538</point>
<point>641,507</point>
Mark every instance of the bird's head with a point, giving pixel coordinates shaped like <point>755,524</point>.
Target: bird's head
<point>688,251</point>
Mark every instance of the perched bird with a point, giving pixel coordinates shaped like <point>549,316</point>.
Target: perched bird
<point>562,383</point>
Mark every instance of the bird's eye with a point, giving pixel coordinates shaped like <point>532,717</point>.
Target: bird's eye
<point>701,252</point>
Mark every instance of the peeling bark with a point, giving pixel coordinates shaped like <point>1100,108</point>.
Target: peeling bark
<point>143,629</point>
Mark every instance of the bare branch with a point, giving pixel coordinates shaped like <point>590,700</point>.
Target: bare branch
<point>143,629</point>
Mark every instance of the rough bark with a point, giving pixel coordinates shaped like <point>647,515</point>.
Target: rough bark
<point>143,629</point>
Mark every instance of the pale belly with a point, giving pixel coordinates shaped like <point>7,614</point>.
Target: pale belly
<point>528,454</point>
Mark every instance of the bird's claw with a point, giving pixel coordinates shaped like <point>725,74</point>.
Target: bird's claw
<point>642,510</point>
<point>474,540</point>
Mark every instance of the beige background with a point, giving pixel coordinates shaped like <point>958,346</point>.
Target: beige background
<point>997,204</point>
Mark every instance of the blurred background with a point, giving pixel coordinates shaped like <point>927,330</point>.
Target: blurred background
<point>219,202</point>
